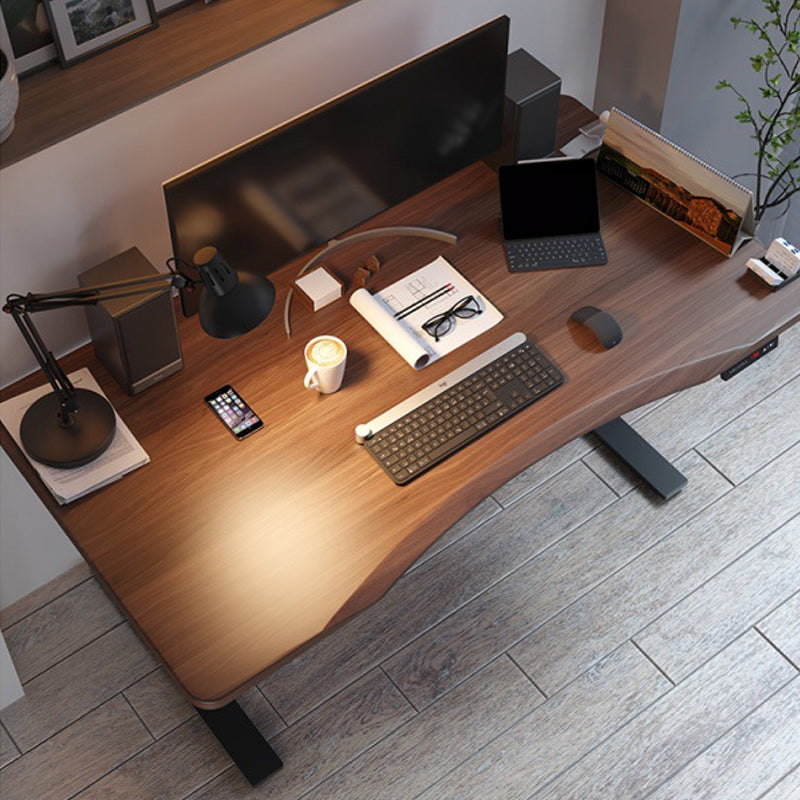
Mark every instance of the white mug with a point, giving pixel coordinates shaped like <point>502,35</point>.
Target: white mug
<point>325,361</point>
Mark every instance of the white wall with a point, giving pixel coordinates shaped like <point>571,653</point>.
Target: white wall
<point>92,196</point>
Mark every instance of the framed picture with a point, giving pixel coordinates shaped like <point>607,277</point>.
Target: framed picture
<point>25,35</point>
<point>82,28</point>
<point>164,6</point>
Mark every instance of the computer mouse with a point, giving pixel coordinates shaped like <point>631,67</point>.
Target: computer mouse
<point>605,327</point>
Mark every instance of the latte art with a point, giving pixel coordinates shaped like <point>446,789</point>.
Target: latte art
<point>325,352</point>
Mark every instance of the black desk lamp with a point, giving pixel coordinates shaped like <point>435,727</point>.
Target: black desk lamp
<point>71,427</point>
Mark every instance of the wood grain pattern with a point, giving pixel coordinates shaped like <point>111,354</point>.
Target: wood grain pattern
<point>230,558</point>
<point>478,711</point>
<point>744,762</point>
<point>755,438</point>
<point>722,609</point>
<point>57,629</point>
<point>96,743</point>
<point>677,728</point>
<point>174,766</point>
<point>324,741</point>
<point>60,695</point>
<point>782,628</point>
<point>620,606</point>
<point>695,414</point>
<point>159,703</point>
<point>8,750</point>
<point>60,103</point>
<point>786,789</point>
<point>540,472</point>
<point>539,589</point>
<point>44,594</point>
<point>557,733</point>
<point>482,512</point>
<point>436,589</point>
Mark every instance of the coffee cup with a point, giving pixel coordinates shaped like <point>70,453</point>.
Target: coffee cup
<point>325,361</point>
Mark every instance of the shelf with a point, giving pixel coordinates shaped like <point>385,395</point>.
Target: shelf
<point>57,103</point>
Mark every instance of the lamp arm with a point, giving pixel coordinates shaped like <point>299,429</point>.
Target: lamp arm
<point>62,386</point>
<point>22,306</point>
<point>91,295</point>
<point>375,233</point>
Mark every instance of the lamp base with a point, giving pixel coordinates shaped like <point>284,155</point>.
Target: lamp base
<point>46,441</point>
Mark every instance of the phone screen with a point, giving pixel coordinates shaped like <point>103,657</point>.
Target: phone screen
<point>237,416</point>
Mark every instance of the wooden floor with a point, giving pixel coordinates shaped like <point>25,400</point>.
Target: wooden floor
<point>572,637</point>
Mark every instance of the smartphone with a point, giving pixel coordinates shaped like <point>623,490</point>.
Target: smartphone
<point>235,414</point>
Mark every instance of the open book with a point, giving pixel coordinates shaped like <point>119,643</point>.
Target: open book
<point>400,311</point>
<point>123,455</point>
<point>694,195</point>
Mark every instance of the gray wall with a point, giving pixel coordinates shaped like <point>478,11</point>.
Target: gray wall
<point>683,104</point>
<point>636,57</point>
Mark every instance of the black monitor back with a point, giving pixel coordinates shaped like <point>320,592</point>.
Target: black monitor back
<point>297,186</point>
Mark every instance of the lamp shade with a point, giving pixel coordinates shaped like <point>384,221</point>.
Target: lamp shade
<point>233,302</point>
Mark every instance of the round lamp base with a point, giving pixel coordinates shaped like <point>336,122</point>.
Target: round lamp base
<point>47,442</point>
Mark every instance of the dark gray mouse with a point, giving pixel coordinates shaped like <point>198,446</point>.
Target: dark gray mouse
<point>605,327</point>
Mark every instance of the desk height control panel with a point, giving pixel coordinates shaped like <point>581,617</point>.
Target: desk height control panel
<point>748,360</point>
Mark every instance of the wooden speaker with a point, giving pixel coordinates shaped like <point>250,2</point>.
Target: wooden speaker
<point>135,338</point>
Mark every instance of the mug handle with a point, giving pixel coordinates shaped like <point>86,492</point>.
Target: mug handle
<point>311,380</point>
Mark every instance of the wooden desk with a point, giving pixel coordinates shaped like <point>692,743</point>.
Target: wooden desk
<point>229,557</point>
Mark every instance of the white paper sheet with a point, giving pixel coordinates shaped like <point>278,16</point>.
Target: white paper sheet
<point>406,334</point>
<point>123,455</point>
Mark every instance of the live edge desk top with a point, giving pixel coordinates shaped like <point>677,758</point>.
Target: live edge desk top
<point>229,557</point>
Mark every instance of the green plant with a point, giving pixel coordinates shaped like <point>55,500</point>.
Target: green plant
<point>775,116</point>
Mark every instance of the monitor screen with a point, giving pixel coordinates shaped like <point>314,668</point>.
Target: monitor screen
<point>303,183</point>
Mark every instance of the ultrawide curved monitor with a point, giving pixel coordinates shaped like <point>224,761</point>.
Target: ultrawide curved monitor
<point>309,180</point>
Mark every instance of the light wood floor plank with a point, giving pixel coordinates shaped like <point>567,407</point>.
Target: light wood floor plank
<point>172,767</point>
<point>435,589</point>
<point>695,414</point>
<point>722,609</point>
<point>748,759</point>
<point>44,594</point>
<point>404,763</point>
<point>59,628</point>
<point>322,742</point>
<point>678,727</point>
<point>788,788</point>
<point>643,590</point>
<point>484,511</point>
<point>492,622</point>
<point>8,750</point>
<point>557,733</point>
<point>542,471</point>
<point>756,437</point>
<point>76,685</point>
<point>78,755</point>
<point>782,628</point>
<point>612,470</point>
<point>159,703</point>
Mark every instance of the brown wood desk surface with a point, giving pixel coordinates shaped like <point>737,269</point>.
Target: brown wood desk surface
<point>229,557</point>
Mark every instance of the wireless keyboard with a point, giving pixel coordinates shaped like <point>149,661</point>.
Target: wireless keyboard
<point>437,421</point>
<point>550,252</point>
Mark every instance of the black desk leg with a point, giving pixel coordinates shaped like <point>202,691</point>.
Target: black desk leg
<point>641,457</point>
<point>243,741</point>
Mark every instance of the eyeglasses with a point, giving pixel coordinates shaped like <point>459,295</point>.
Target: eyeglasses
<point>442,324</point>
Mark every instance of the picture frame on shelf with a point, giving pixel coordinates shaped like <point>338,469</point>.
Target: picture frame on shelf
<point>166,6</point>
<point>25,35</point>
<point>83,28</point>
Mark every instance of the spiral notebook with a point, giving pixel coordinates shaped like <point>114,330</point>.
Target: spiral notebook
<point>694,195</point>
